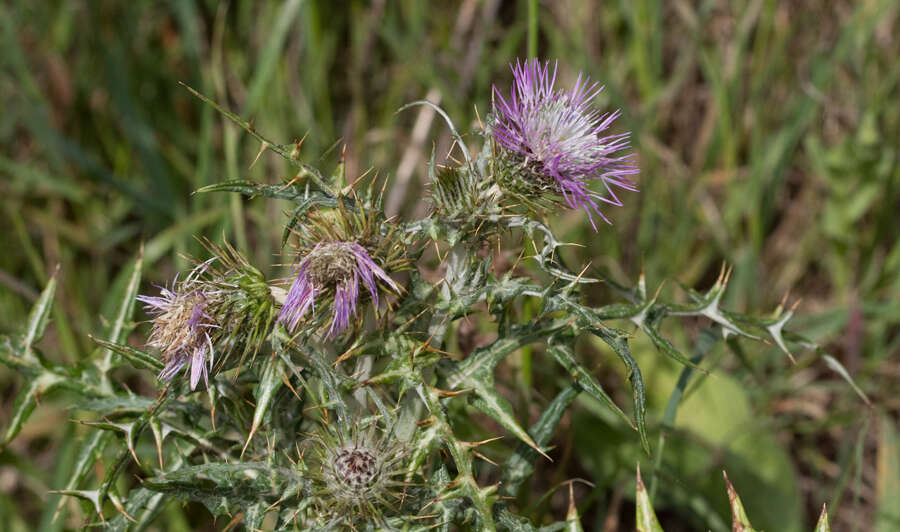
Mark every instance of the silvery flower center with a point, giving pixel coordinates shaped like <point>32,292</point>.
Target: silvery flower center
<point>330,264</point>
<point>356,467</point>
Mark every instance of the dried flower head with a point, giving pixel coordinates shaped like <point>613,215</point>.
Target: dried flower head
<point>344,256</point>
<point>181,327</point>
<point>553,141</point>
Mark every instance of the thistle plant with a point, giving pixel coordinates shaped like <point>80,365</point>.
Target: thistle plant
<point>339,397</point>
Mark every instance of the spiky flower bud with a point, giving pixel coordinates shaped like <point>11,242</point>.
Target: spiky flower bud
<point>343,257</point>
<point>357,473</point>
<point>337,267</point>
<point>551,142</point>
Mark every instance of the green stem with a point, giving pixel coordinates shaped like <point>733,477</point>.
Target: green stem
<point>532,28</point>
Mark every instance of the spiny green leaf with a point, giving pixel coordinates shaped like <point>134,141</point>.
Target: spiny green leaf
<point>92,496</point>
<point>270,381</point>
<point>584,379</point>
<point>520,464</point>
<point>617,340</point>
<point>143,506</point>
<point>224,488</point>
<point>573,522</point>
<point>838,368</point>
<point>493,404</point>
<point>739,520</point>
<point>115,404</point>
<point>280,149</point>
<point>37,321</point>
<point>122,324</point>
<point>664,345</point>
<point>88,454</point>
<point>27,400</point>
<point>822,524</point>
<point>138,358</point>
<point>645,516</point>
<point>286,191</point>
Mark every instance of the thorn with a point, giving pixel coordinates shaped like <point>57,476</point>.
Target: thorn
<point>285,187</point>
<point>485,458</point>
<point>453,393</point>
<point>262,148</point>
<point>658,290</point>
<point>118,504</point>
<point>572,513</point>
<point>288,382</point>
<point>728,275</point>
<point>474,444</point>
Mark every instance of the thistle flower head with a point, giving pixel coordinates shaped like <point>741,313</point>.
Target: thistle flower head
<point>344,257</point>
<point>357,472</point>
<point>181,327</point>
<point>223,302</point>
<point>556,143</point>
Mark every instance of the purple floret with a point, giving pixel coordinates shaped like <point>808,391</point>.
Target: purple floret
<point>562,134</point>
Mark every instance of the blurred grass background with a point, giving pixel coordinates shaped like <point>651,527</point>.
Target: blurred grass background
<point>767,134</point>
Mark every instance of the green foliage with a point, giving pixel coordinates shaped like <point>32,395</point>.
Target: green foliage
<point>647,521</point>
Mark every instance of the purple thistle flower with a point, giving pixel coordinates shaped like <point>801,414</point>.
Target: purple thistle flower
<point>181,324</point>
<point>336,267</point>
<point>559,137</point>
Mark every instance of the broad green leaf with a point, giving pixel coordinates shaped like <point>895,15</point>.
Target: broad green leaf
<point>645,518</point>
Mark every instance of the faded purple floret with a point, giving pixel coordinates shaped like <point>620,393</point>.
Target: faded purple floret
<point>563,135</point>
<point>181,325</point>
<point>338,268</point>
